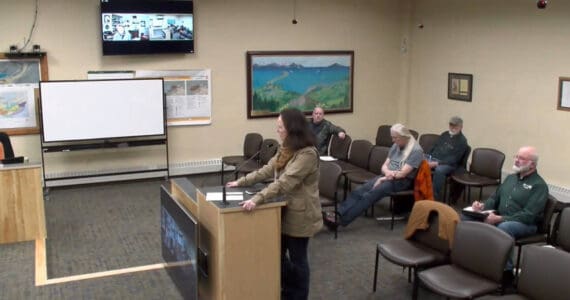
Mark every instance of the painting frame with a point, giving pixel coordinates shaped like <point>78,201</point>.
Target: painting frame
<point>307,79</point>
<point>28,85</point>
<point>460,86</point>
<point>563,93</point>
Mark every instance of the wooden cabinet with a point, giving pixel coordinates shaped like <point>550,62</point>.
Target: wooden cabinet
<point>22,215</point>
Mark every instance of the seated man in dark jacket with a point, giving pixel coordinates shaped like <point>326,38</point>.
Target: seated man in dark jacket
<point>323,129</point>
<point>446,154</point>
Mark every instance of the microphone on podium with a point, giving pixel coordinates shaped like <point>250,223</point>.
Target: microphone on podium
<point>238,168</point>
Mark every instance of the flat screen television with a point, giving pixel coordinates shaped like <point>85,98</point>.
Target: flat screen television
<point>147,27</point>
<point>179,235</point>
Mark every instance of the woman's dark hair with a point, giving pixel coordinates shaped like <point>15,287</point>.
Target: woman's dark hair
<point>299,135</point>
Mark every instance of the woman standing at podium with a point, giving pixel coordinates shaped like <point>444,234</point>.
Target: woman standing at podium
<point>295,169</point>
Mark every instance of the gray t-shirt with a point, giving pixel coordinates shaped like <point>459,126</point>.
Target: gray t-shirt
<point>414,159</point>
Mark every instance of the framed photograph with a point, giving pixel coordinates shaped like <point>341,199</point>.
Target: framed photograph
<point>459,86</point>
<point>564,93</point>
<point>300,79</point>
<point>20,75</point>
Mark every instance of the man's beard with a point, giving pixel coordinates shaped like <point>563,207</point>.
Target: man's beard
<point>521,169</point>
<point>452,133</point>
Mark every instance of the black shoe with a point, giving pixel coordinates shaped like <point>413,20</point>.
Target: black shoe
<point>329,221</point>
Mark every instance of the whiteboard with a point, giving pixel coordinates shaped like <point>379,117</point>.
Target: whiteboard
<point>101,109</point>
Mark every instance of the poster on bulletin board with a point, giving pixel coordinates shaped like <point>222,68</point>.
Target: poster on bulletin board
<point>188,95</point>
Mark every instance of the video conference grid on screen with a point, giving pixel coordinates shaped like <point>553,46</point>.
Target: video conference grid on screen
<point>147,27</point>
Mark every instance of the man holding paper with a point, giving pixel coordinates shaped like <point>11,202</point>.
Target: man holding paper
<point>519,201</point>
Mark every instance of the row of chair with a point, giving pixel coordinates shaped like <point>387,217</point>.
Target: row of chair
<point>468,269</point>
<point>256,153</point>
<point>485,168</point>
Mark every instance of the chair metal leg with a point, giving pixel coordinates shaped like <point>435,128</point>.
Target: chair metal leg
<point>415,284</point>
<point>517,270</point>
<point>444,200</point>
<point>480,193</point>
<point>375,270</point>
<point>335,219</point>
<point>392,209</point>
<point>222,175</point>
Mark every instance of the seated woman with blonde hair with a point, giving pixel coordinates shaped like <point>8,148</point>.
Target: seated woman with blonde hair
<point>398,173</point>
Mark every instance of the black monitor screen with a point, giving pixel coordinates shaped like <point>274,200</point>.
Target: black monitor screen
<point>179,234</point>
<point>145,27</point>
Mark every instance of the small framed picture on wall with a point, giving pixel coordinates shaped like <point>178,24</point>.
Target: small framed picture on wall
<point>459,86</point>
<point>564,93</point>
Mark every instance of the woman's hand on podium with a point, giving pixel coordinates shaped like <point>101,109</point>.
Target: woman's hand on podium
<point>232,184</point>
<point>248,205</point>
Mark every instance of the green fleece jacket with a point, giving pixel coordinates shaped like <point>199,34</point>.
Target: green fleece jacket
<point>520,199</point>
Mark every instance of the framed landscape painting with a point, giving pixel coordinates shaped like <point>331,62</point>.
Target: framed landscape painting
<point>299,79</point>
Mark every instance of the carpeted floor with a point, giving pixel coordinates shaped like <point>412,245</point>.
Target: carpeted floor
<point>113,226</point>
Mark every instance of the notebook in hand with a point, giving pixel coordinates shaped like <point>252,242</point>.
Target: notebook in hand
<point>477,215</point>
<point>12,160</point>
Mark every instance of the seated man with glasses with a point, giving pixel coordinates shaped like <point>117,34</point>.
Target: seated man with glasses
<point>518,203</point>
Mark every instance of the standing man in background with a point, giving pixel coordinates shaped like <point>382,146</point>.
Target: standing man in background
<point>323,130</point>
<point>446,154</point>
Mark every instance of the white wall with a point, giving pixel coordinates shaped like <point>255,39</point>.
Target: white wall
<point>514,51</point>
<point>69,32</point>
<point>516,54</point>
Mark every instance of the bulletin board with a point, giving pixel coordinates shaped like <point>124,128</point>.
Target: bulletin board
<point>20,74</point>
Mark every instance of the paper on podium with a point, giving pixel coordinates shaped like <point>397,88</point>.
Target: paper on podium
<point>230,196</point>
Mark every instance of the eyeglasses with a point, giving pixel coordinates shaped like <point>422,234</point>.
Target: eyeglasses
<point>517,157</point>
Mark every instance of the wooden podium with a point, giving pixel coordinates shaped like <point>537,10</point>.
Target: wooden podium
<point>243,248</point>
<point>22,215</point>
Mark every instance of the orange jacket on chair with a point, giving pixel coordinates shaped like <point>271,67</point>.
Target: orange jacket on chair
<point>423,189</point>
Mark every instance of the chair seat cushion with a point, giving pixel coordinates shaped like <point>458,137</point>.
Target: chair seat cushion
<point>452,281</point>
<point>410,253</point>
<point>504,297</point>
<point>233,160</point>
<point>326,201</point>
<point>360,176</point>
<point>249,167</point>
<point>532,239</point>
<point>474,180</point>
<point>348,167</point>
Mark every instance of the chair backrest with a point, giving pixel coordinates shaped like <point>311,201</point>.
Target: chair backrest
<point>251,144</point>
<point>427,141</point>
<point>268,149</point>
<point>378,156</point>
<point>383,136</point>
<point>545,273</point>
<point>414,133</point>
<point>5,140</point>
<point>481,248</point>
<point>359,154</point>
<point>430,236</point>
<point>465,157</point>
<point>563,234</point>
<point>544,225</point>
<point>328,179</point>
<point>487,162</point>
<point>338,148</point>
